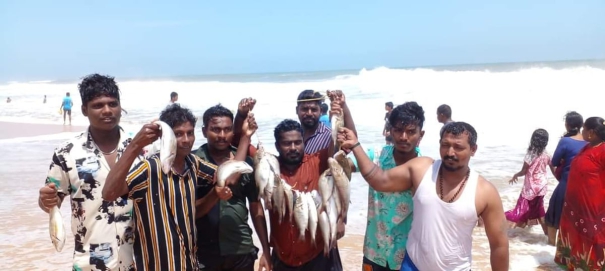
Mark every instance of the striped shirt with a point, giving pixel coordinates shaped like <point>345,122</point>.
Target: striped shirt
<point>320,140</point>
<point>164,206</point>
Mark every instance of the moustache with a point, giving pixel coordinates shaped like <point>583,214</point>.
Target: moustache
<point>293,153</point>
<point>451,158</point>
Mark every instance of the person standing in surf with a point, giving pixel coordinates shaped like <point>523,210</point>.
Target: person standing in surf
<point>567,148</point>
<point>530,205</point>
<point>66,107</point>
<point>390,213</point>
<point>103,230</point>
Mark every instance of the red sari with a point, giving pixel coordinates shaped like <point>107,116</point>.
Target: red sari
<point>581,244</point>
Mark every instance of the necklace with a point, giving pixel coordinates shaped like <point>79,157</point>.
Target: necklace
<point>105,153</point>
<point>468,173</point>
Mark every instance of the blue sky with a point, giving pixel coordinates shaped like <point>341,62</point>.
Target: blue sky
<point>67,39</point>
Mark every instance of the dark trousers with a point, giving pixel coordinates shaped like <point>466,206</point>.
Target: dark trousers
<point>321,262</point>
<point>243,262</point>
<point>371,266</point>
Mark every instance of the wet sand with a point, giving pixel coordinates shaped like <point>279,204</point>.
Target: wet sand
<point>25,242</point>
<point>13,129</point>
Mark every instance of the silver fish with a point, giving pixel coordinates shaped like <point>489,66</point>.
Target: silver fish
<point>278,198</point>
<point>262,171</point>
<point>333,219</point>
<point>228,168</point>
<point>326,186</point>
<point>337,121</point>
<point>341,182</point>
<point>301,214</point>
<point>167,146</point>
<point>324,229</point>
<point>312,224</point>
<point>289,200</point>
<point>56,228</point>
<point>344,162</point>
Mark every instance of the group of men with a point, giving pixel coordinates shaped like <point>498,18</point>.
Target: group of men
<point>127,214</point>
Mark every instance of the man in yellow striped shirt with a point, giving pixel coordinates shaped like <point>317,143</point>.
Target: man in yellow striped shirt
<point>165,204</point>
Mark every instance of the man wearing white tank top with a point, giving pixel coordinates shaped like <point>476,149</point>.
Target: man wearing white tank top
<point>448,199</point>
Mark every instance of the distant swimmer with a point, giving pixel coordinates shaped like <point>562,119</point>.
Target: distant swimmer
<point>173,98</point>
<point>66,107</point>
<point>324,118</point>
<point>44,99</point>
<point>444,114</point>
<point>8,100</point>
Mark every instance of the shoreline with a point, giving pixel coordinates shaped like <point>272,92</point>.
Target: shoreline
<point>12,130</point>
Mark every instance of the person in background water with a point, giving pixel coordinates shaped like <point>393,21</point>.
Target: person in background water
<point>301,171</point>
<point>8,99</point>
<point>388,106</point>
<point>581,241</point>
<point>448,198</point>
<point>324,118</point>
<point>44,99</point>
<point>224,238</point>
<point>103,230</point>
<point>530,205</point>
<point>174,97</point>
<point>66,107</point>
<point>567,148</point>
<point>444,114</point>
<point>390,213</point>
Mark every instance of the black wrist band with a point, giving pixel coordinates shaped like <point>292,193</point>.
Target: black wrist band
<point>356,145</point>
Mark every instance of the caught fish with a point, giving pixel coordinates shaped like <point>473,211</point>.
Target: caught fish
<point>262,171</point>
<point>344,162</point>
<point>278,198</point>
<point>337,121</point>
<point>301,214</point>
<point>326,186</point>
<point>324,229</point>
<point>289,200</point>
<point>333,219</point>
<point>341,182</point>
<point>228,168</point>
<point>167,146</point>
<point>56,228</point>
<point>312,224</point>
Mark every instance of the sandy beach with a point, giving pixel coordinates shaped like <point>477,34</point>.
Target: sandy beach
<point>25,245</point>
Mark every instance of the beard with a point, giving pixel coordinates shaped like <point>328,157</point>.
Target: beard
<point>451,167</point>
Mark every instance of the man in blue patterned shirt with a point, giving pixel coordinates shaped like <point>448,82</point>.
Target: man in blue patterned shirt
<point>390,214</point>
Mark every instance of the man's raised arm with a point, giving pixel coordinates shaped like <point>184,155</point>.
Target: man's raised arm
<point>394,180</point>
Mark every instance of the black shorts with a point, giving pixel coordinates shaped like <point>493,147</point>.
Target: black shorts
<point>243,262</point>
<point>321,262</point>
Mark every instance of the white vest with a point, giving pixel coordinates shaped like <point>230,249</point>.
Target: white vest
<point>441,234</point>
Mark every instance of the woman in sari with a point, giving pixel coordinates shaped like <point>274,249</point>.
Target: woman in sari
<point>581,244</point>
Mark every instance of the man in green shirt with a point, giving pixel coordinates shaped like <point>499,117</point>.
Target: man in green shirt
<point>224,237</point>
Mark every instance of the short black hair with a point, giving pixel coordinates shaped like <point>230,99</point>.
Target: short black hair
<point>574,121</point>
<point>310,96</point>
<point>95,85</point>
<point>173,94</point>
<point>596,124</point>
<point>389,104</point>
<point>458,128</point>
<point>324,108</point>
<point>175,114</point>
<point>216,111</point>
<point>407,113</point>
<point>286,125</point>
<point>445,110</point>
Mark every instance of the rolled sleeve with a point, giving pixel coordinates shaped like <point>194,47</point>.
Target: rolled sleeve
<point>138,180</point>
<point>204,171</point>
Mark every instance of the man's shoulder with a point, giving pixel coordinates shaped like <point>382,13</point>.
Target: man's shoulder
<point>67,146</point>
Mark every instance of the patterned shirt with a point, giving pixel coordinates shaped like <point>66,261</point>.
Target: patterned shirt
<point>389,220</point>
<point>165,213</point>
<point>103,230</point>
<point>320,140</point>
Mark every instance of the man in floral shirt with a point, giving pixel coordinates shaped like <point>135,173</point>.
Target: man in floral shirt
<point>390,214</point>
